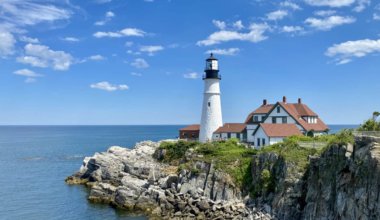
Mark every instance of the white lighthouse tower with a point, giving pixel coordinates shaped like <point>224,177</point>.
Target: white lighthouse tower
<point>211,110</point>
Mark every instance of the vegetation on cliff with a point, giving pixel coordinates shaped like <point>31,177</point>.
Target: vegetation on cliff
<point>235,158</point>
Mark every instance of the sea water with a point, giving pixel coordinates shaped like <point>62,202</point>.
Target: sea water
<point>35,160</point>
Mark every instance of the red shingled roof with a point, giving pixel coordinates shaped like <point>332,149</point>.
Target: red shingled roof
<point>280,130</point>
<point>297,111</point>
<point>194,127</point>
<point>231,128</point>
<point>264,109</point>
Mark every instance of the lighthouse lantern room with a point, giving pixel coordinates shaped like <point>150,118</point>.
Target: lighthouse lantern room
<point>211,110</point>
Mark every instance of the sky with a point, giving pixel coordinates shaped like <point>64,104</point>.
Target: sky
<point>131,62</point>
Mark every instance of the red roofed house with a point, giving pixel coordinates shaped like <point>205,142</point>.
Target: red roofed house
<point>231,130</point>
<point>271,123</point>
<point>190,132</point>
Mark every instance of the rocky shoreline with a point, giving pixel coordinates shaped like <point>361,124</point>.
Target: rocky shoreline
<point>133,179</point>
<point>341,182</point>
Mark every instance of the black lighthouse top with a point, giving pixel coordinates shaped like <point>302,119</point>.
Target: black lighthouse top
<point>212,68</point>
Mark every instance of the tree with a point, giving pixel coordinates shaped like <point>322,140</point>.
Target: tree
<point>375,115</point>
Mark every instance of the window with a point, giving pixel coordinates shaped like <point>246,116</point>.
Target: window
<point>274,121</point>
<point>228,135</point>
<point>209,104</point>
<point>278,109</point>
<point>258,142</point>
<point>263,141</point>
<point>284,120</point>
<point>238,135</point>
<point>256,118</point>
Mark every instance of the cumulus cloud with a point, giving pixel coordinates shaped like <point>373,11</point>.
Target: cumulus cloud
<point>362,4</point>
<point>277,15</point>
<point>151,50</point>
<point>324,13</point>
<point>227,52</point>
<point>108,86</point>
<point>107,18</point>
<point>238,25</point>
<point>291,29</point>
<point>31,12</point>
<point>42,56</point>
<point>140,63</point>
<point>291,5</point>
<point>7,43</point>
<point>27,73</point>
<point>219,24</point>
<point>376,17</point>
<point>71,39</point>
<point>345,52</point>
<point>136,74</point>
<point>192,75</point>
<point>31,76</point>
<point>255,34</point>
<point>96,57</point>
<point>330,3</point>
<point>126,32</point>
<point>328,23</point>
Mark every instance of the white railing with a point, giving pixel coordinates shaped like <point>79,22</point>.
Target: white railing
<point>367,133</point>
<point>312,144</point>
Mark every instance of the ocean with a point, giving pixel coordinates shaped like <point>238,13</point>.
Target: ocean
<point>35,160</point>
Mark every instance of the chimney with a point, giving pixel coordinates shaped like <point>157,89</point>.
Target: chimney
<point>265,102</point>
<point>284,99</point>
<point>299,101</point>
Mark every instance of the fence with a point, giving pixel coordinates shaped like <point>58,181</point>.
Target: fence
<point>367,133</point>
<point>312,144</point>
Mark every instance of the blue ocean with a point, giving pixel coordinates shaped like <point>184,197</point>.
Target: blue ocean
<point>35,160</point>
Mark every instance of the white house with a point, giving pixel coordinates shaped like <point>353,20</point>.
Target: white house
<point>271,123</point>
<point>231,130</point>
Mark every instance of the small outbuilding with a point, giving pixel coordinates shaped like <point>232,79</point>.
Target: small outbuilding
<point>190,132</point>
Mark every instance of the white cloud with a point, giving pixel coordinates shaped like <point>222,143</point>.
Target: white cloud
<point>27,73</point>
<point>70,39</point>
<point>108,86</point>
<point>292,29</point>
<point>329,22</point>
<point>362,4</point>
<point>238,25</point>
<point>29,40</point>
<point>7,43</point>
<point>291,5</point>
<point>376,16</point>
<point>227,52</point>
<point>140,63</point>
<point>324,13</point>
<point>42,56</point>
<point>255,34</point>
<point>219,24</point>
<point>96,57</point>
<point>330,3</point>
<point>136,74</point>
<point>103,1</point>
<point>127,32</point>
<point>107,18</point>
<point>277,15</point>
<point>129,44</point>
<point>345,52</point>
<point>151,49</point>
<point>31,76</point>
<point>31,12</point>
<point>192,75</point>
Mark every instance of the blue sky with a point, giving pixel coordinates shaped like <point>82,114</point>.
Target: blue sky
<point>141,62</point>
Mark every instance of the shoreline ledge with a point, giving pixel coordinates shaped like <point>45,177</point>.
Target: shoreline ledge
<point>133,179</point>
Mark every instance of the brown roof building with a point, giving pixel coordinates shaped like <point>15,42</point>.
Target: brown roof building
<point>190,132</point>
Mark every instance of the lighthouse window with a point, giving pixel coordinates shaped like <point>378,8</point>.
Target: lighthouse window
<point>209,104</point>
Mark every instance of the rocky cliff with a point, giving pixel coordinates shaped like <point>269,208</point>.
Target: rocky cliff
<point>342,183</point>
<point>133,179</point>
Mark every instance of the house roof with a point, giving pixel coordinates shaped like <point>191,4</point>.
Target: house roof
<point>194,127</point>
<point>280,130</point>
<point>263,109</point>
<point>231,128</point>
<point>297,111</point>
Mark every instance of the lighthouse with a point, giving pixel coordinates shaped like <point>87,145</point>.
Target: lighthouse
<point>211,110</point>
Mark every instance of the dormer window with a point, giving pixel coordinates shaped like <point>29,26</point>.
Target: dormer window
<point>256,118</point>
<point>278,109</point>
